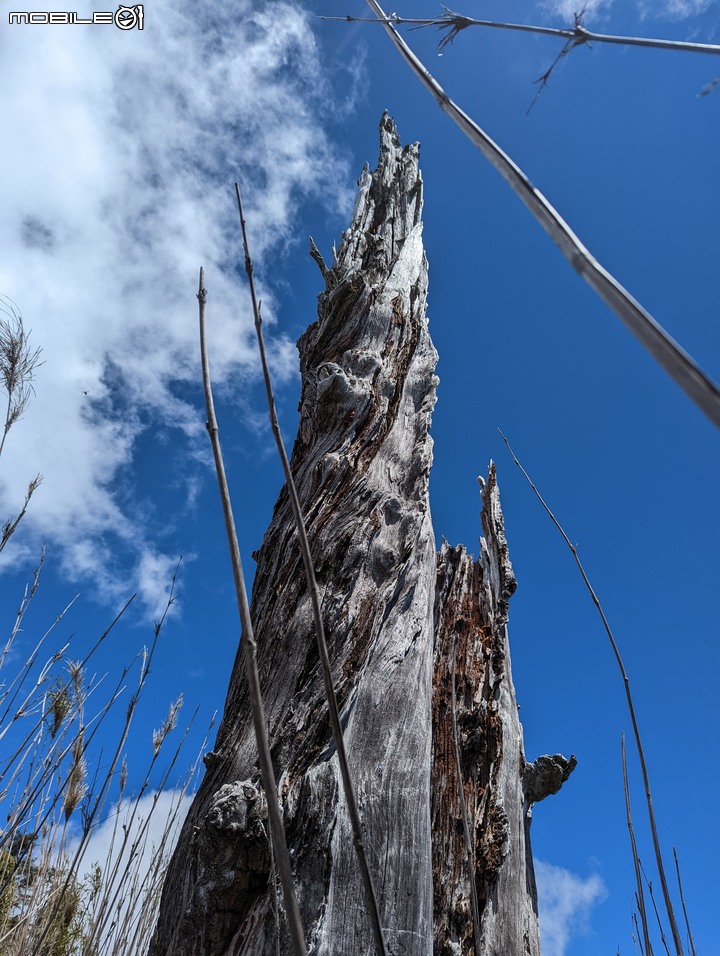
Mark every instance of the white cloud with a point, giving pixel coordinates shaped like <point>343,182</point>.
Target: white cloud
<point>568,8</point>
<point>120,153</point>
<point>565,901</point>
<point>673,9</point>
<point>685,8</point>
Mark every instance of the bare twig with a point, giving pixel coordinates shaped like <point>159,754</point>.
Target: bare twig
<point>628,697</point>
<point>250,651</point>
<point>709,87</point>
<point>682,900</point>
<point>640,896</point>
<point>348,787</point>
<point>543,81</point>
<point>676,362</point>
<point>569,45</point>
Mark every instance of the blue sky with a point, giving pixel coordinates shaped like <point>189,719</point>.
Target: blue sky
<point>118,163</point>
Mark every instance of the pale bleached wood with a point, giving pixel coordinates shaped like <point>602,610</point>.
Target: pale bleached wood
<point>361,462</point>
<point>392,609</point>
<point>354,816</point>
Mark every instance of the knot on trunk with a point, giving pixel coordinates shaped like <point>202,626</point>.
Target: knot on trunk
<point>546,775</point>
<point>233,840</point>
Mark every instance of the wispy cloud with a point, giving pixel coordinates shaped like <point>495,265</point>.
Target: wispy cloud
<point>685,8</point>
<point>565,901</point>
<point>568,8</point>
<point>119,155</point>
<point>672,9</point>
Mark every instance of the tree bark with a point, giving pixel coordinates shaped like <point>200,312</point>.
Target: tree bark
<point>396,615</point>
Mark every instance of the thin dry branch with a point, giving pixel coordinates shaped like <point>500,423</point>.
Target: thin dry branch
<point>676,362</point>
<point>628,697</point>
<point>250,651</point>
<point>334,710</point>
<point>454,23</point>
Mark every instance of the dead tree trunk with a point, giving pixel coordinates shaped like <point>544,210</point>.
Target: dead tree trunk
<point>396,616</point>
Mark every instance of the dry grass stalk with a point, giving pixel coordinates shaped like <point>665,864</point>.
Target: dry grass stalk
<point>691,941</point>
<point>115,923</point>
<point>628,696</point>
<point>8,528</point>
<point>334,710</point>
<point>18,361</point>
<point>169,724</point>
<point>29,758</point>
<point>249,646</point>
<point>657,914</point>
<point>640,896</point>
<point>43,798</point>
<point>676,362</point>
<point>146,657</point>
<point>28,595</point>
<point>48,905</point>
<point>636,934</point>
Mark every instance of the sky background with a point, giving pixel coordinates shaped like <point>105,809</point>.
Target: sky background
<point>118,159</point>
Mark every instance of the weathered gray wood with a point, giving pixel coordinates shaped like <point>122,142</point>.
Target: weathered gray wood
<point>393,610</point>
<point>471,635</point>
